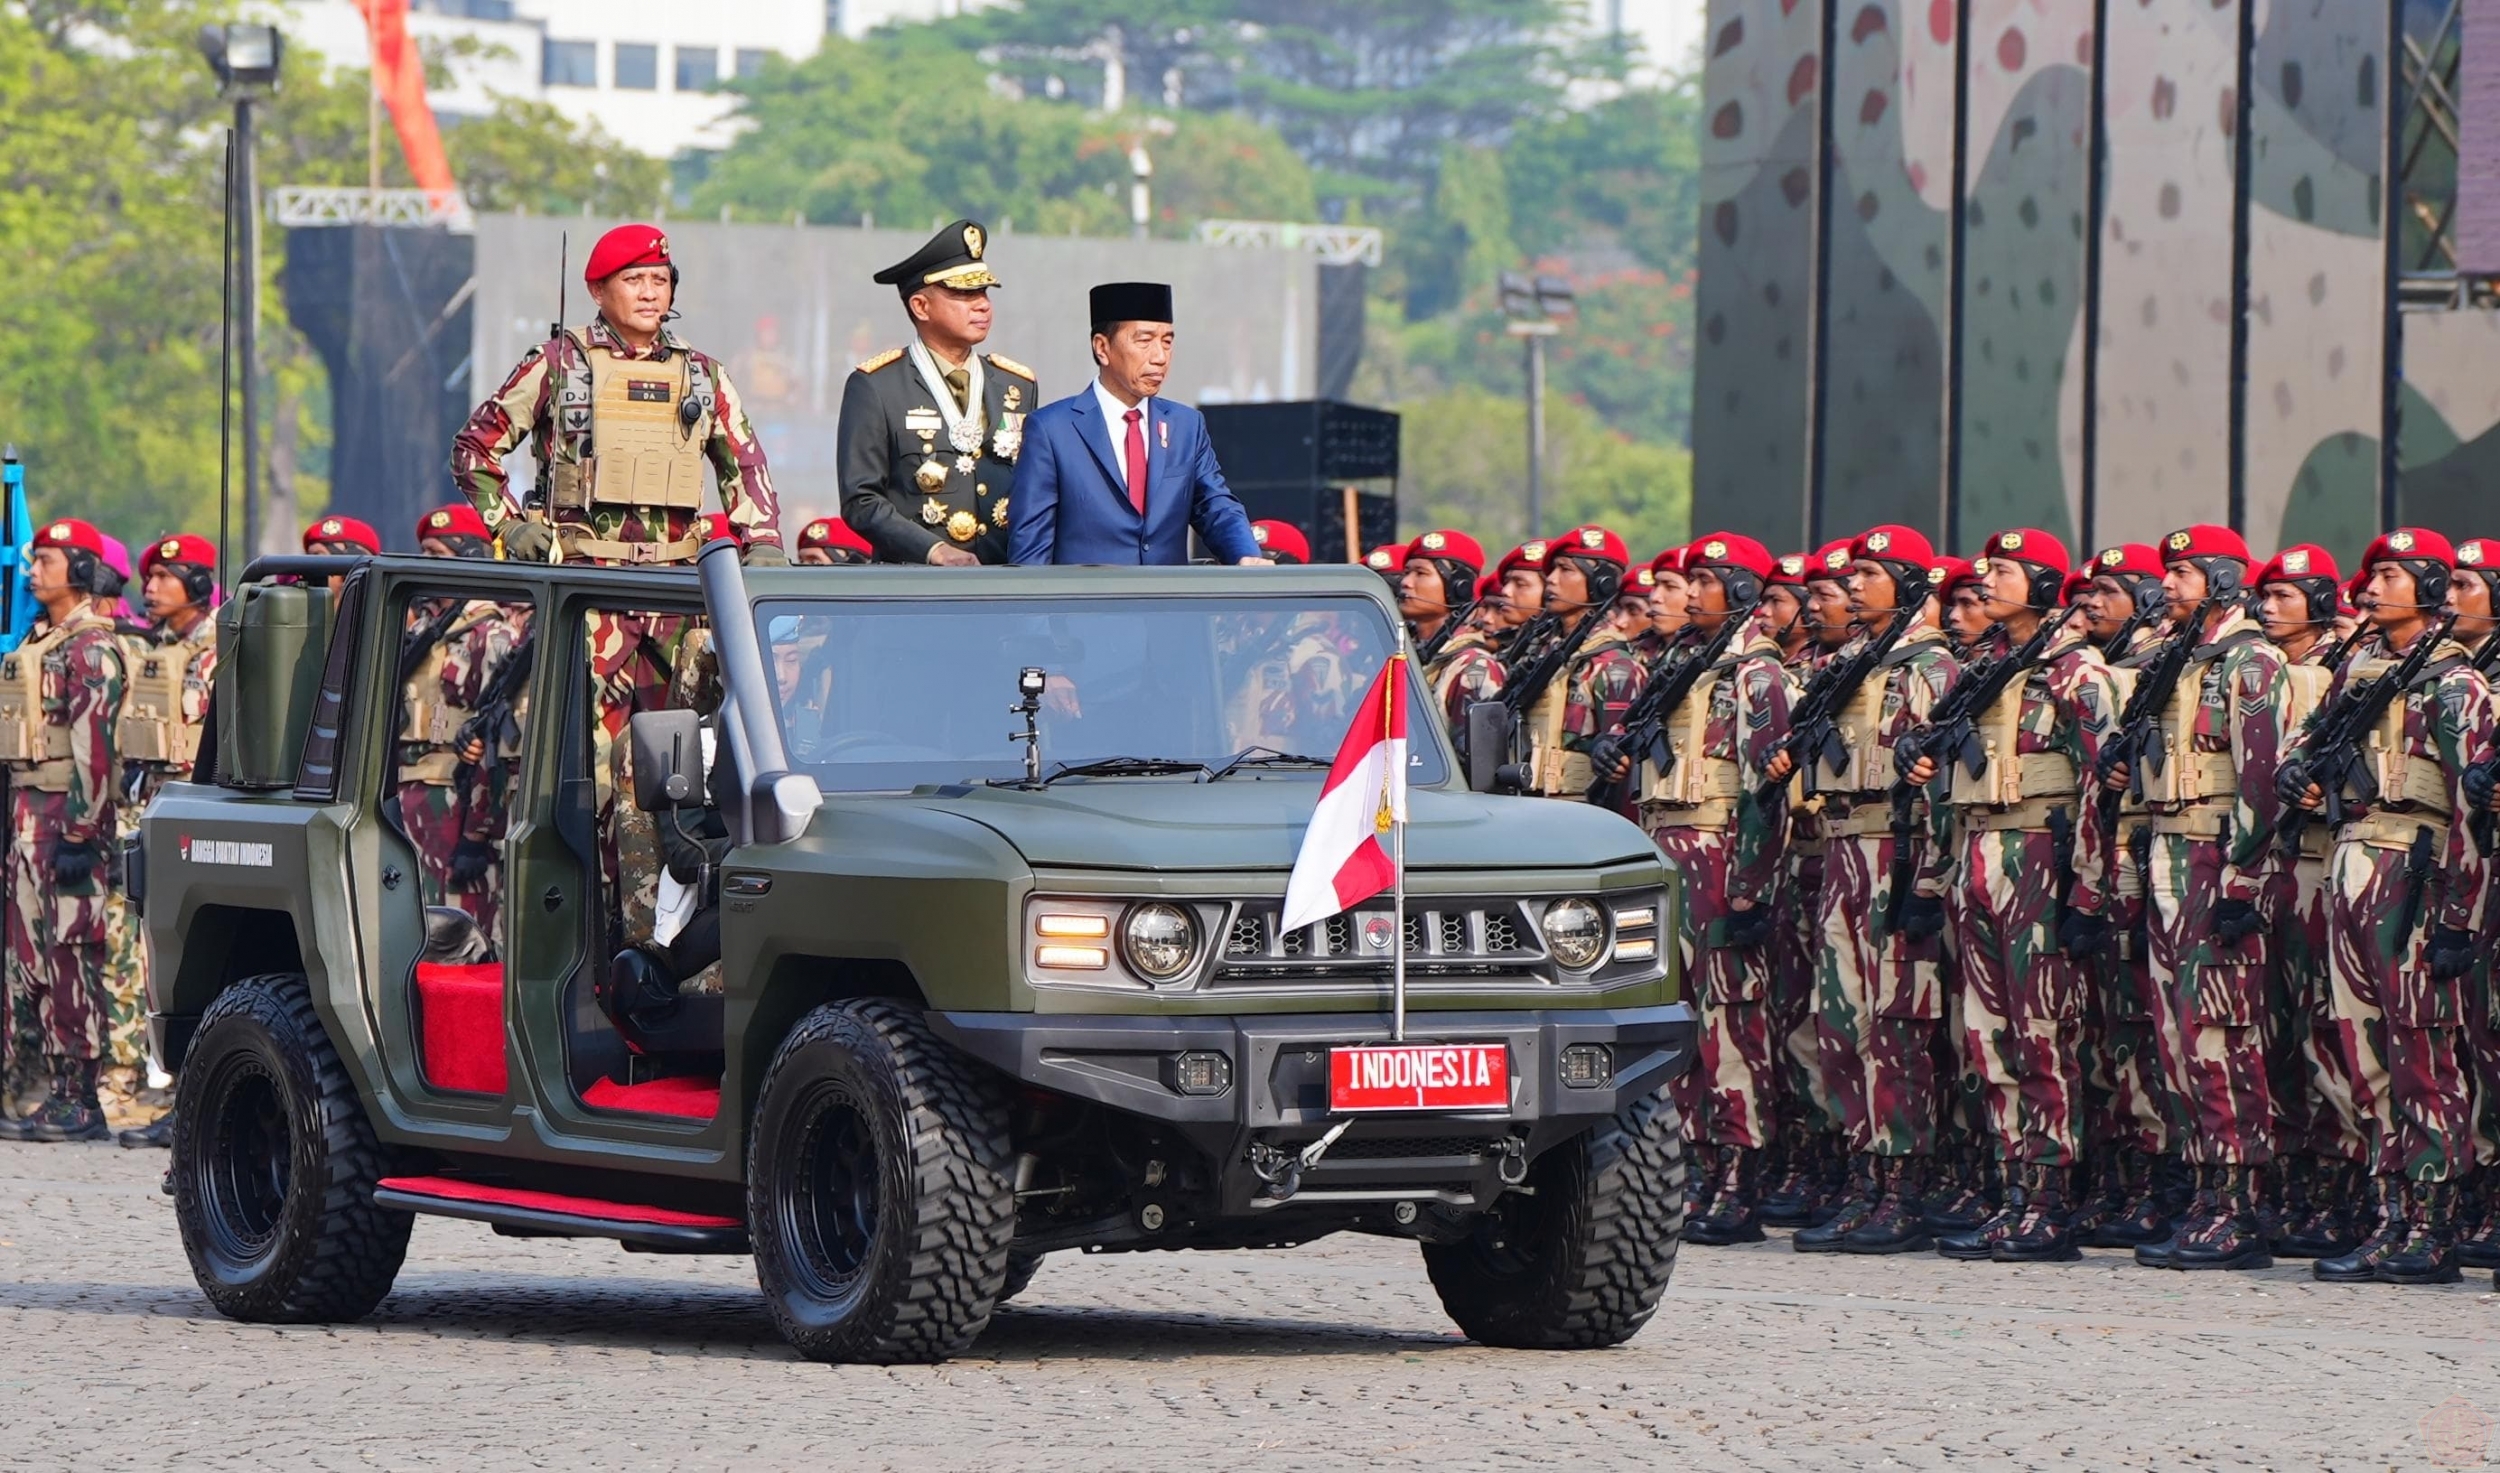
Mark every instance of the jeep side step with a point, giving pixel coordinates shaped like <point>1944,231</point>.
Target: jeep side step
<point>554,1214</point>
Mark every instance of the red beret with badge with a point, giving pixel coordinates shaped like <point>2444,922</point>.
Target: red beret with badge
<point>332,531</point>
<point>1730,550</point>
<point>459,519</point>
<point>1388,557</point>
<point>1488,587</point>
<point>1593,541</point>
<point>1282,541</point>
<point>2408,545</point>
<point>2299,563</point>
<point>1893,544</point>
<point>1830,562</point>
<point>2030,545</point>
<point>188,548</point>
<point>626,245</point>
<point>1788,569</point>
<point>2478,555</point>
<point>832,534</point>
<point>1676,560</point>
<point>1446,545</point>
<point>2127,560</point>
<point>2205,540</point>
<point>71,534</point>
<point>1949,573</point>
<point>1530,555</point>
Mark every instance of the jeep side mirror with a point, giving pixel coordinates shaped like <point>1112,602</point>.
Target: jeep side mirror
<point>1489,726</point>
<point>668,760</point>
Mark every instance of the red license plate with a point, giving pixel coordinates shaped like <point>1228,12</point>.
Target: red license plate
<point>1420,1076</point>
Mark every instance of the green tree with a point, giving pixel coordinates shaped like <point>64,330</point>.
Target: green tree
<point>1625,172</point>
<point>1463,463</point>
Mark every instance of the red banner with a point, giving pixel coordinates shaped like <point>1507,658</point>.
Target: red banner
<point>399,74</point>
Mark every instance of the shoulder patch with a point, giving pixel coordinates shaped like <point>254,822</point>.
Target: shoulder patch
<point>890,355</point>
<point>1006,364</point>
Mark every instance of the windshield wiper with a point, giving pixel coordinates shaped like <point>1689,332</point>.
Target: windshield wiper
<point>1124,767</point>
<point>1264,757</point>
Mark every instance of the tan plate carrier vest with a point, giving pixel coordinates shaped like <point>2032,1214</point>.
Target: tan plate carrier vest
<point>1869,770</point>
<point>433,722</point>
<point>1555,771</point>
<point>35,751</point>
<point>150,727</point>
<point>2202,785</point>
<point>1701,791</point>
<point>2307,684</point>
<point>639,454</point>
<point>2402,776</point>
<point>2015,789</point>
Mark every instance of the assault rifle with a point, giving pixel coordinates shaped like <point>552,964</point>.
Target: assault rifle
<point>1645,723</point>
<point>1430,650</point>
<point>416,642</point>
<point>2138,743</point>
<point>492,724</point>
<point>2330,754</point>
<point>1814,722</point>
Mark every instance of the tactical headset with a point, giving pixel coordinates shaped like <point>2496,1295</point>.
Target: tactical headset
<point>2041,583</point>
<point>1605,579</point>
<point>106,581</point>
<point>2430,582</point>
<point>2223,575</point>
<point>197,582</point>
<point>1743,585</point>
<point>2320,593</point>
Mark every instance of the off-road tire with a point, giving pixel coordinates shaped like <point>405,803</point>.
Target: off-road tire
<point>1021,1267</point>
<point>880,1188</point>
<point>1582,1263</point>
<point>279,1231</point>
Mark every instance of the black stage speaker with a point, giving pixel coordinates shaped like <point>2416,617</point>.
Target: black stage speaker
<point>1299,462</point>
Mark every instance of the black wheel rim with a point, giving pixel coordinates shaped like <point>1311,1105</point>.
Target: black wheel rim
<point>249,1162</point>
<point>829,1197</point>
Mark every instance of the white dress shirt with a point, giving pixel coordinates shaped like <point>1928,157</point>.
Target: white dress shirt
<point>1115,424</point>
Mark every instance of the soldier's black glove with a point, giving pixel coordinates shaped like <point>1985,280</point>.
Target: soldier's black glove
<point>73,865</point>
<point>2480,780</point>
<point>764,555</point>
<point>2451,953</point>
<point>2291,782</point>
<point>2080,935</point>
<point>2235,921</point>
<point>470,860</point>
<point>525,541</point>
<point>1606,754</point>
<point>1747,927</point>
<point>1922,916</point>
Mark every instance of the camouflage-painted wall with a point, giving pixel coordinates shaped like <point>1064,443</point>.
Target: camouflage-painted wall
<point>1753,382</point>
<point>2317,278</point>
<point>2027,166</point>
<point>2164,421</point>
<point>1889,254</point>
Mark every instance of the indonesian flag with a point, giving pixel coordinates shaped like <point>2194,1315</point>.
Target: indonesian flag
<point>1341,860</point>
<point>399,80</point>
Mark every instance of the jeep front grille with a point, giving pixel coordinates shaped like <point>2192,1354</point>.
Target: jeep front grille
<point>1454,938</point>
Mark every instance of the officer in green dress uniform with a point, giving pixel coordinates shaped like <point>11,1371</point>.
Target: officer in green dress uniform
<point>929,433</point>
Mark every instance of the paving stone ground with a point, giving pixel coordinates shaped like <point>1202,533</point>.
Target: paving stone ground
<point>498,1353</point>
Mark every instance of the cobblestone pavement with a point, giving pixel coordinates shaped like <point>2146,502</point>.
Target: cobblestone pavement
<point>497,1353</point>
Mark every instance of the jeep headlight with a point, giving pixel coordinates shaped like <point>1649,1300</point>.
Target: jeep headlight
<point>1575,933</point>
<point>1159,941</point>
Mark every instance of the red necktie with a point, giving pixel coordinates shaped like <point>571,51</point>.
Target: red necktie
<point>1136,461</point>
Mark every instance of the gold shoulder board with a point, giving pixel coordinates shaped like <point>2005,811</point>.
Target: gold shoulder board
<point>1006,364</point>
<point>890,355</point>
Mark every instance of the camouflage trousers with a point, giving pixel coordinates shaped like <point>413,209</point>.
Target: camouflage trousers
<point>1728,1094</point>
<point>2021,998</point>
<point>433,817</point>
<point>125,966</point>
<point>2402,1033</point>
<point>2485,1033</point>
<point>56,939</point>
<point>1797,1069</point>
<point>1879,1005</point>
<point>2126,1102</point>
<point>633,663</point>
<point>2314,1111</point>
<point>2210,1009</point>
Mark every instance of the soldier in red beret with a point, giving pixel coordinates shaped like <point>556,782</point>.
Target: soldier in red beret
<point>1584,674</point>
<point>2405,886</point>
<point>2475,595</point>
<point>1281,543</point>
<point>830,542</point>
<point>341,537</point>
<point>1389,561</point>
<point>1669,597</point>
<point>1961,583</point>
<point>59,692</point>
<point>1880,1005</point>
<point>2125,606</point>
<point>454,531</point>
<point>2212,809</point>
<point>1442,570</point>
<point>1522,575</point>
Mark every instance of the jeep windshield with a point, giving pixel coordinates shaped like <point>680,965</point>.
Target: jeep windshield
<point>884,694</point>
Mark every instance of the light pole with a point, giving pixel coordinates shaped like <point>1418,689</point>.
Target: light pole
<point>1535,309</point>
<point>1140,205</point>
<point>245,59</point>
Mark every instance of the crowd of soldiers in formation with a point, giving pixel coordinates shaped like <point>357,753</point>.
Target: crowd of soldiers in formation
<point>2029,905</point>
<point>2032,905</point>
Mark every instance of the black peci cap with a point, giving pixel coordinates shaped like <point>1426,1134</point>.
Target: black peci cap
<point>953,257</point>
<point>1130,301</point>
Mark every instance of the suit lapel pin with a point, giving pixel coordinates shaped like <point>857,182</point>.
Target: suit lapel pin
<point>1163,434</point>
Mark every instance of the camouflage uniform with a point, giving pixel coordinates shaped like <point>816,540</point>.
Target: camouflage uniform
<point>2022,998</point>
<point>57,942</point>
<point>443,801</point>
<point>1468,669</point>
<point>125,945</point>
<point>1810,1117</point>
<point>1584,703</point>
<point>1879,1001</point>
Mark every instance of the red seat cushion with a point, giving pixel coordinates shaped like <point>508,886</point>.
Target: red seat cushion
<point>695,1099</point>
<point>460,1027</point>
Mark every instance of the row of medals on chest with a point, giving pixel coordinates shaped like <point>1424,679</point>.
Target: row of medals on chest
<point>964,437</point>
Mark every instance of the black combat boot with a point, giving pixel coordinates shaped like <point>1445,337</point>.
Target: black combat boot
<point>2324,1227</point>
<point>73,1113</point>
<point>2045,1233</point>
<point>2478,1221</point>
<point>2424,1256</point>
<point>1959,1199</point>
<point>2175,1184</point>
<point>1732,1217</point>
<point>156,1135</point>
<point>2232,1236</point>
<point>1972,1244</point>
<point>2203,1206</point>
<point>1794,1188</point>
<point>1897,1224</point>
<point>2139,1219</point>
<point>1856,1204</point>
<point>2100,1191</point>
<point>2386,1230</point>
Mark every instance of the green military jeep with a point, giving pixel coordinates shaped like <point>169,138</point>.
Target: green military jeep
<point>996,878</point>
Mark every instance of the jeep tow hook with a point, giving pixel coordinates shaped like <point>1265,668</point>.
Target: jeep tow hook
<point>1280,1171</point>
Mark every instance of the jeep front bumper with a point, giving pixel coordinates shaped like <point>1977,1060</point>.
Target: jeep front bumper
<point>1278,1094</point>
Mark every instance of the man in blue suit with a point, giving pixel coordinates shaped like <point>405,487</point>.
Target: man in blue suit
<point>1116,474</point>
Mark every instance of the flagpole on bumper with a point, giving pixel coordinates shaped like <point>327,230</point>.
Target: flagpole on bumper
<point>1395,813</point>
